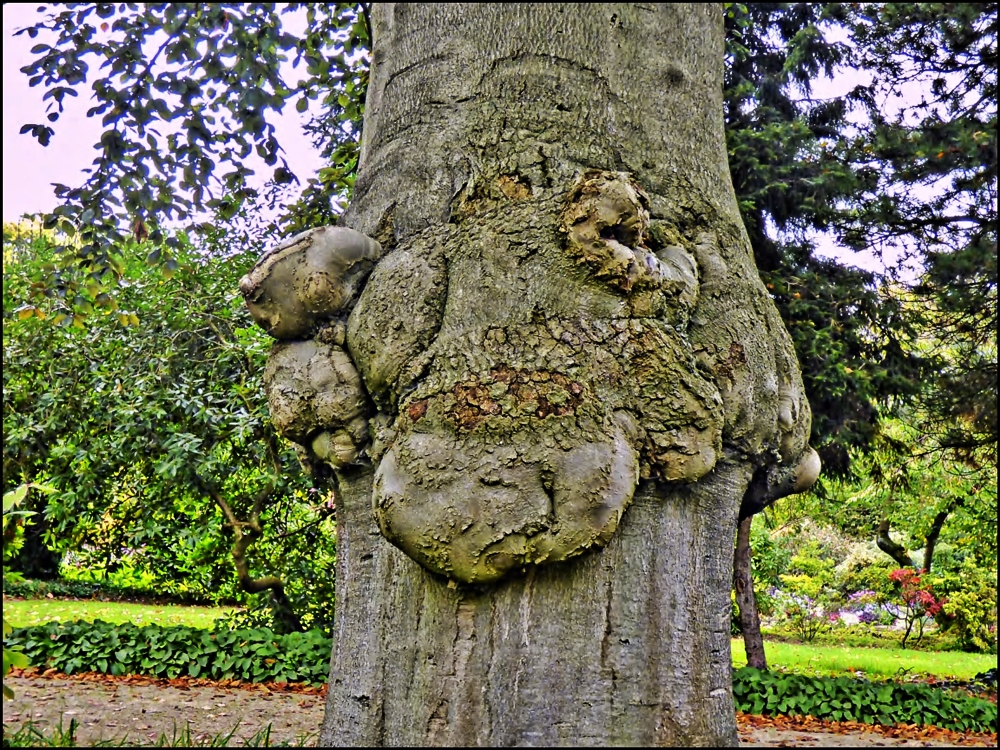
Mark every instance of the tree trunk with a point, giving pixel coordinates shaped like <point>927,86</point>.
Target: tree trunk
<point>576,371</point>
<point>626,646</point>
<point>753,641</point>
<point>893,549</point>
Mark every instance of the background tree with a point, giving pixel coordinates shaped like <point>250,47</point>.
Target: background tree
<point>851,339</point>
<point>935,194</point>
<point>151,424</point>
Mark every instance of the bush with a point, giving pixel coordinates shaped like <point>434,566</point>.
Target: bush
<point>970,607</point>
<point>770,559</point>
<point>28,589</point>
<point>866,568</point>
<point>851,699</point>
<point>256,655</point>
<point>809,599</point>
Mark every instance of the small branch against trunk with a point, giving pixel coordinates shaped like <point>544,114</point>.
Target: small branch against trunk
<point>893,549</point>
<point>366,13</point>
<point>753,641</point>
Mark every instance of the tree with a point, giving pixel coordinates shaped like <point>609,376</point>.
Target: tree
<point>576,376</point>
<point>906,484</point>
<point>151,424</point>
<point>935,194</point>
<point>850,338</point>
<point>562,277</point>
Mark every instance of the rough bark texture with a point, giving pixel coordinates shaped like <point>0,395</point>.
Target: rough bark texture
<point>574,372</point>
<point>746,599</point>
<point>627,646</point>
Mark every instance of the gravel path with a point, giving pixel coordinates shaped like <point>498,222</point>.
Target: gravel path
<point>136,712</point>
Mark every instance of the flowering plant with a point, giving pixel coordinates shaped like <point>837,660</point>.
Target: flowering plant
<point>918,599</point>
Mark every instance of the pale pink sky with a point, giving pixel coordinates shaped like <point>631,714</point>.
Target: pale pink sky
<point>30,169</point>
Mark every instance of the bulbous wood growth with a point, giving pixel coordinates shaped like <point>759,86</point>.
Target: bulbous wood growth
<point>548,400</point>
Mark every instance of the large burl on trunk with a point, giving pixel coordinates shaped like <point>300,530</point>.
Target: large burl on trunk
<point>539,360</point>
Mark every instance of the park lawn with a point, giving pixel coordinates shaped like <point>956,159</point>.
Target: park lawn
<point>875,663</point>
<point>20,613</point>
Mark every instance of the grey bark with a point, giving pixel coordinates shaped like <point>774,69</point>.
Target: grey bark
<point>573,371</point>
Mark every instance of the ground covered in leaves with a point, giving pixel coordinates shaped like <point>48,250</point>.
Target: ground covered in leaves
<point>137,710</point>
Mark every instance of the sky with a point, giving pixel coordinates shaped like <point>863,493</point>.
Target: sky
<point>29,170</point>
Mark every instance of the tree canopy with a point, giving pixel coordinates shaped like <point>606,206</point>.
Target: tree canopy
<point>152,426</point>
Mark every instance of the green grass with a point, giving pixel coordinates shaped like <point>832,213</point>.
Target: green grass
<point>22,613</point>
<point>874,662</point>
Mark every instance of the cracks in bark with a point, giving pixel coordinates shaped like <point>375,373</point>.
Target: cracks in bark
<point>454,681</point>
<point>412,66</point>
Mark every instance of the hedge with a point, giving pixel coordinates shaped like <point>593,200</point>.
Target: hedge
<point>853,699</point>
<point>253,655</point>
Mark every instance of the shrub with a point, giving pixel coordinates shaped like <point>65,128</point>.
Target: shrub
<point>809,601</point>
<point>29,589</point>
<point>866,568</point>
<point>256,655</point>
<point>852,699</point>
<point>919,599</point>
<point>770,560</point>
<point>970,607</point>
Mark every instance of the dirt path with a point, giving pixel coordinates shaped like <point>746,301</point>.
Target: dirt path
<point>140,711</point>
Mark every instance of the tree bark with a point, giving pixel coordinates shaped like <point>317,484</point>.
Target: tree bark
<point>576,372</point>
<point>893,549</point>
<point>628,645</point>
<point>753,641</point>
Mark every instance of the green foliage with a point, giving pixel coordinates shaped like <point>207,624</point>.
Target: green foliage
<point>12,517</point>
<point>807,598</point>
<point>30,589</point>
<point>770,560</point>
<point>848,699</point>
<point>933,190</point>
<point>906,481</point>
<point>256,655</point>
<point>146,430</point>
<point>865,569</point>
<point>849,337</point>
<point>215,73</point>
<point>970,607</point>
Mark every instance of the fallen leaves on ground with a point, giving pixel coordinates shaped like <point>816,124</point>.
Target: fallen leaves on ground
<point>748,722</point>
<point>183,683</point>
